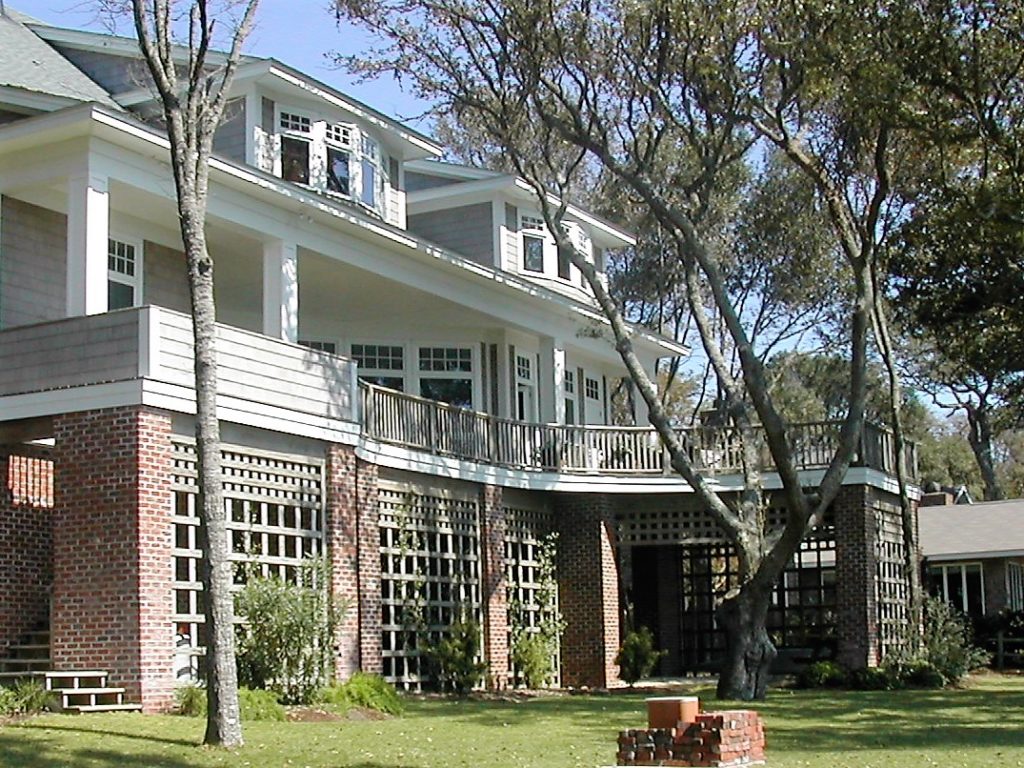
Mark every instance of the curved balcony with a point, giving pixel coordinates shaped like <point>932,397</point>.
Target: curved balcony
<point>425,425</point>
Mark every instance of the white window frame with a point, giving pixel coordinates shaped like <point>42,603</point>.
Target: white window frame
<point>326,133</point>
<point>317,344</point>
<point>473,374</point>
<point>1015,586</point>
<point>961,569</point>
<point>404,373</point>
<point>136,281</point>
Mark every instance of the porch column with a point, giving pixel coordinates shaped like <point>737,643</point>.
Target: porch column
<point>552,380</point>
<point>493,584</point>
<point>88,231</point>
<point>281,290</point>
<point>856,578</point>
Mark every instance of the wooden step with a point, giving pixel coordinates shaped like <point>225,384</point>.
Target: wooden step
<point>74,678</point>
<point>85,709</point>
<point>89,697</point>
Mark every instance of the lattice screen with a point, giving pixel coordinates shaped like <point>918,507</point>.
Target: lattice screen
<point>274,507</point>
<point>525,534</point>
<point>892,589</point>
<point>430,574</point>
<point>658,523</point>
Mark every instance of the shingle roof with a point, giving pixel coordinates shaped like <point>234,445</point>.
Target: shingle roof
<point>30,64</point>
<point>986,529</point>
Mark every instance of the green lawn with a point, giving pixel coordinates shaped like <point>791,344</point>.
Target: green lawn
<point>980,726</point>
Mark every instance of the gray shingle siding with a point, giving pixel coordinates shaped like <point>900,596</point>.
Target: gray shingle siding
<point>116,74</point>
<point>229,140</point>
<point>468,230</point>
<point>164,281</point>
<point>33,248</point>
<point>414,182</point>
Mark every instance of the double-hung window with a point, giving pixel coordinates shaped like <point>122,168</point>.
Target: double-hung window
<point>446,375</point>
<point>569,384</point>
<point>381,364</point>
<point>533,244</point>
<point>124,274</point>
<point>370,171</point>
<point>339,159</point>
<point>960,585</point>
<point>1015,586</point>
<point>296,144</point>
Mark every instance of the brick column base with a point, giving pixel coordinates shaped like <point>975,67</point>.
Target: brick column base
<point>588,589</point>
<point>112,595</point>
<point>493,586</point>
<point>856,574</point>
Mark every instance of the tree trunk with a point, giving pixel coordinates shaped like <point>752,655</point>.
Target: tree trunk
<point>980,437</point>
<point>749,651</point>
<point>223,721</point>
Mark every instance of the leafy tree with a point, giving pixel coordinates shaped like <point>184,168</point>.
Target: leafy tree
<point>193,84</point>
<point>679,102</point>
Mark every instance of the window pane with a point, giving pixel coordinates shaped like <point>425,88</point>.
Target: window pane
<point>458,392</point>
<point>391,382</point>
<point>337,171</point>
<point>369,191</point>
<point>533,253</point>
<point>975,606</point>
<point>294,160</point>
<point>563,264</point>
<point>570,411</point>
<point>119,295</point>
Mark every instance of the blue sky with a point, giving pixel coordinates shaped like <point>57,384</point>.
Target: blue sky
<point>300,33</point>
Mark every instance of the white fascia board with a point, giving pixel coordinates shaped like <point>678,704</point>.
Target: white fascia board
<point>36,101</point>
<point>959,557</point>
<point>446,170</point>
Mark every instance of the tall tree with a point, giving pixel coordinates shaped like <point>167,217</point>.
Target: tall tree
<point>674,99</point>
<point>192,83</point>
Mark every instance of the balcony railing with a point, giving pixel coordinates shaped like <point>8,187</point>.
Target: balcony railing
<point>420,424</point>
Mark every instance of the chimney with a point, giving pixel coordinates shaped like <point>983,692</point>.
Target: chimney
<point>936,499</point>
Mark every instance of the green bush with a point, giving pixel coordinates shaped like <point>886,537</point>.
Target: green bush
<point>454,658</point>
<point>823,674</point>
<point>637,657</point>
<point>948,643</point>
<point>922,674</point>
<point>875,679</point>
<point>190,700</point>
<point>365,690</point>
<point>26,697</point>
<point>286,643</point>
<point>533,656</point>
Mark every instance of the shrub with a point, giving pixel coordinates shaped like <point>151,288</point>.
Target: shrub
<point>923,674</point>
<point>454,657</point>
<point>26,697</point>
<point>532,655</point>
<point>190,701</point>
<point>948,643</point>
<point>823,674</point>
<point>365,690</point>
<point>875,679</point>
<point>286,643</point>
<point>637,657</point>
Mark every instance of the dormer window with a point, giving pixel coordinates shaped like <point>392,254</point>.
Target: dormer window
<point>533,244</point>
<point>337,158</point>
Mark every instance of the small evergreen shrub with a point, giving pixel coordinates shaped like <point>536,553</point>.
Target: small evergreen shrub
<point>287,640</point>
<point>923,674</point>
<point>875,679</point>
<point>365,690</point>
<point>7,702</point>
<point>823,674</point>
<point>26,697</point>
<point>454,658</point>
<point>532,654</point>
<point>637,656</point>
<point>190,701</point>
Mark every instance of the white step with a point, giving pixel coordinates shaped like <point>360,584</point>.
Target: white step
<point>85,709</point>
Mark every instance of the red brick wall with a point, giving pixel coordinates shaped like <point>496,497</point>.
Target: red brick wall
<point>588,589</point>
<point>370,629</point>
<point>493,586</point>
<point>856,569</point>
<point>342,520</point>
<point>111,606</point>
<point>26,548</point>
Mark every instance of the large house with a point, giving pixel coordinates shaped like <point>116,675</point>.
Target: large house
<point>412,382</point>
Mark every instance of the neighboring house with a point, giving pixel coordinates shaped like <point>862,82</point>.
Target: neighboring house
<point>974,554</point>
<point>411,382</point>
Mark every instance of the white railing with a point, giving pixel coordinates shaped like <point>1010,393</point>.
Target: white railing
<point>420,424</point>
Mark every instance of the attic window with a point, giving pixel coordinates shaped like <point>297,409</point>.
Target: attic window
<point>532,222</point>
<point>340,134</point>
<point>298,123</point>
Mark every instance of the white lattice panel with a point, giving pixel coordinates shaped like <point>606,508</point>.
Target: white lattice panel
<point>891,585</point>
<point>430,573</point>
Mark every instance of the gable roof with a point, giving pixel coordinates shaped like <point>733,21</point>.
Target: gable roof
<point>972,531</point>
<point>29,64</point>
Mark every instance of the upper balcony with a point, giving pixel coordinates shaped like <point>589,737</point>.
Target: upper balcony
<point>144,356</point>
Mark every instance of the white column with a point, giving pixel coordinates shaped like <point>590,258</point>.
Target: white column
<point>88,231</point>
<point>281,290</point>
<point>552,380</point>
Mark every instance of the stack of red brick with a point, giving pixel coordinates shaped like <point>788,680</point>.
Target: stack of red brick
<point>728,738</point>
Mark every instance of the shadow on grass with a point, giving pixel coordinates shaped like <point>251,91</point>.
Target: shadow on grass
<point>147,737</point>
<point>23,753</point>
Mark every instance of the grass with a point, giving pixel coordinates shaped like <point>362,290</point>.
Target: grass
<point>977,726</point>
